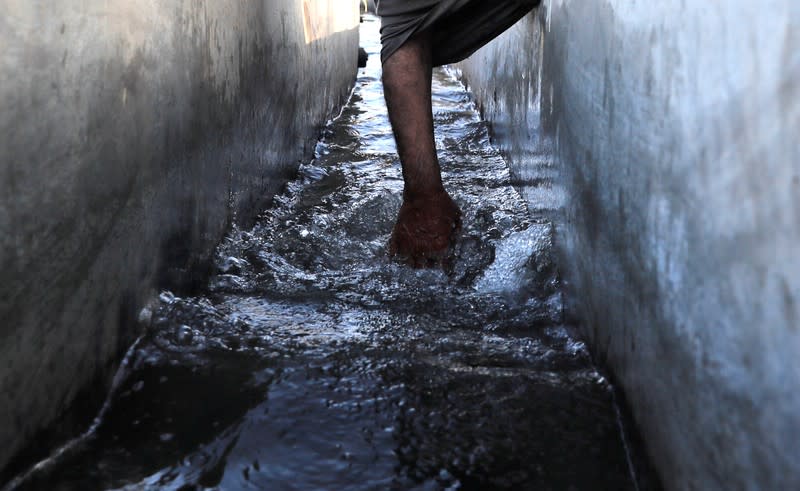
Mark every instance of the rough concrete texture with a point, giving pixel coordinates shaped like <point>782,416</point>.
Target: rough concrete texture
<point>675,127</point>
<point>133,133</point>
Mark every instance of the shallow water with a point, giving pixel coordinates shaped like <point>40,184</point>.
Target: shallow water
<point>314,362</point>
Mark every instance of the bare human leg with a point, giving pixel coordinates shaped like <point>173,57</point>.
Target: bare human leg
<point>429,219</point>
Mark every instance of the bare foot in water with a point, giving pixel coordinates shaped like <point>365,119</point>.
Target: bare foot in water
<point>426,228</point>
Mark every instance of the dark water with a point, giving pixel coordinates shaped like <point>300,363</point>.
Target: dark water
<point>314,362</point>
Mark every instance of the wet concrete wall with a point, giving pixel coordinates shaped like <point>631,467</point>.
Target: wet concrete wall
<point>132,134</point>
<point>668,133</point>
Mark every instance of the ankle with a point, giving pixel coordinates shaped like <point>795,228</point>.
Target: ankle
<point>419,193</point>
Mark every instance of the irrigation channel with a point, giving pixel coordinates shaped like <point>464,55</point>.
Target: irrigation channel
<point>313,361</point>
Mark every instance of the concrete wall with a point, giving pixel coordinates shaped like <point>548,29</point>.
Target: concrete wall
<point>675,127</point>
<point>133,132</point>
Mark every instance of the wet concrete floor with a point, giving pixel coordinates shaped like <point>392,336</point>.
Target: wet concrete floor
<point>314,362</point>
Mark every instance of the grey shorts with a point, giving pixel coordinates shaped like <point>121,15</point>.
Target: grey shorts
<point>458,27</point>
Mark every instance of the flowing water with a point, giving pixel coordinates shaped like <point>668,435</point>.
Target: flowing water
<point>312,361</point>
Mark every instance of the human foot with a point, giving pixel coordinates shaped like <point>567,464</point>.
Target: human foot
<point>426,227</point>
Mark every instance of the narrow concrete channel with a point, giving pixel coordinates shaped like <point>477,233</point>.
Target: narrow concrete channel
<point>312,361</point>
